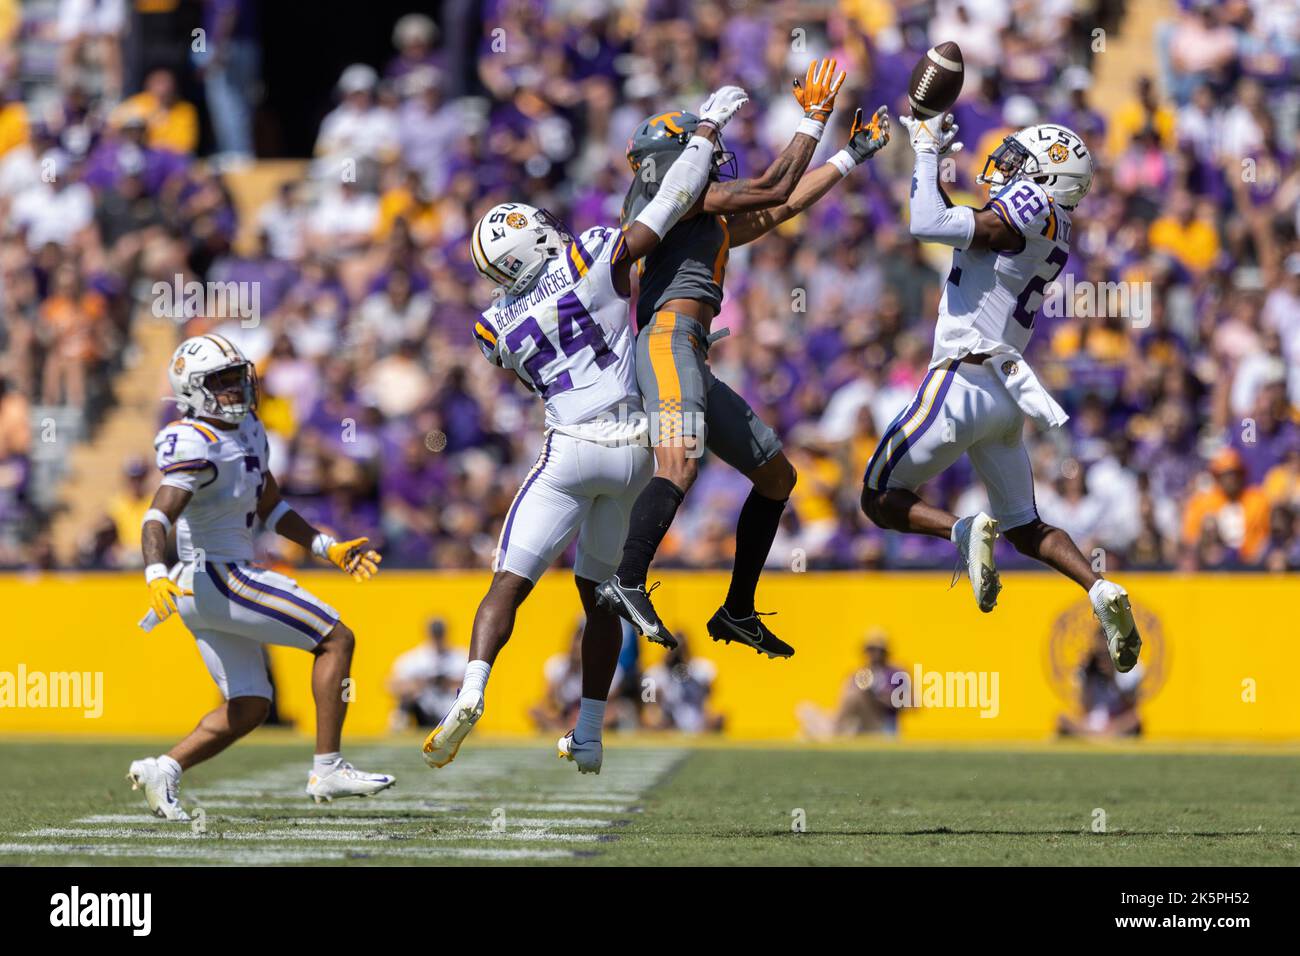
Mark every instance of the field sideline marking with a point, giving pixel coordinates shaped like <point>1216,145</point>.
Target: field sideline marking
<point>262,856</point>
<point>184,835</point>
<point>354,821</point>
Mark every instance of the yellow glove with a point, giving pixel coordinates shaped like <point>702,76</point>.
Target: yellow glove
<point>355,558</point>
<point>163,593</point>
<point>816,94</point>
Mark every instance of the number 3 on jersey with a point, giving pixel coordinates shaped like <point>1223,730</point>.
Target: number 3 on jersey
<point>570,327</point>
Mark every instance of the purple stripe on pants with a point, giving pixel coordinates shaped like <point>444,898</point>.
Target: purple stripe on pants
<point>510,518</point>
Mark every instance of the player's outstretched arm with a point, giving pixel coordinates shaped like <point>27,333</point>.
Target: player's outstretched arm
<point>777,183</point>
<point>352,556</point>
<point>865,140</point>
<point>933,217</point>
<point>680,191</point>
<point>167,505</point>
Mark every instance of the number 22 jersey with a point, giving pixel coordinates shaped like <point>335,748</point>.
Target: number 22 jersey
<point>568,339</point>
<point>991,298</point>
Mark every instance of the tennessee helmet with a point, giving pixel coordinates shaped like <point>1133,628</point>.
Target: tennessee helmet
<point>513,242</point>
<point>1052,156</point>
<point>207,368</point>
<point>665,135</point>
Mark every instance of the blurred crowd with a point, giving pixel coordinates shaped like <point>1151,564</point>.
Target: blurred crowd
<point>1183,448</point>
<point>673,694</point>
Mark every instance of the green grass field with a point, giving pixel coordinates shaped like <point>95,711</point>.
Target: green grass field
<point>661,802</point>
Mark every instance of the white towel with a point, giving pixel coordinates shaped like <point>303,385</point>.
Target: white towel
<point>1027,391</point>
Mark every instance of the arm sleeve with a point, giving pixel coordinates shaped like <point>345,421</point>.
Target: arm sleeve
<point>682,185</point>
<point>932,219</point>
<point>182,455</point>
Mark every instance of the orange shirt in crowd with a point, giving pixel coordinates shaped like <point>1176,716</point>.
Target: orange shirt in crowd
<point>75,324</point>
<point>1242,524</point>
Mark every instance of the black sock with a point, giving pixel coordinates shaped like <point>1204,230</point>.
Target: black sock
<point>652,514</point>
<point>755,532</point>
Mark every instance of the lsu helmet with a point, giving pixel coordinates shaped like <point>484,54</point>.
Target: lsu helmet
<point>208,366</point>
<point>1050,155</point>
<point>514,241</point>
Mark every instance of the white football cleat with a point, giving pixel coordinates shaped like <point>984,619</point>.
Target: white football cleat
<point>1111,605</point>
<point>160,792</point>
<point>444,740</point>
<point>974,538</point>
<point>346,780</point>
<point>588,755</point>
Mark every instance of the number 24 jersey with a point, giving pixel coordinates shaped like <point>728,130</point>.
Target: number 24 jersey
<point>568,339</point>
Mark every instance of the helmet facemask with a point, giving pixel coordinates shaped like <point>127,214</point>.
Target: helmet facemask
<point>553,237</point>
<point>1008,162</point>
<point>236,383</point>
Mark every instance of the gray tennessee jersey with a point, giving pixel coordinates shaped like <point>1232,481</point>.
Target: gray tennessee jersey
<point>689,263</point>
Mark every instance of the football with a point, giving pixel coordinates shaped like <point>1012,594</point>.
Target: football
<point>936,80</point>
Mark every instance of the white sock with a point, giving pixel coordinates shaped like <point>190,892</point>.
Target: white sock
<point>322,764</point>
<point>476,675</point>
<point>591,718</point>
<point>170,767</point>
<point>1095,592</point>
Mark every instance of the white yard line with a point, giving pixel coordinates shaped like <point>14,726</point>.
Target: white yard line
<point>269,855</point>
<point>183,834</point>
<point>355,822</point>
<point>466,804</point>
<point>362,807</point>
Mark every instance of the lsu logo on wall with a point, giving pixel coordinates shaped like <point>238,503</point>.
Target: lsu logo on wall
<point>1075,636</point>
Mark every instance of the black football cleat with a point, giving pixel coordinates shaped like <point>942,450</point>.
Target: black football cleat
<point>633,605</point>
<point>747,630</point>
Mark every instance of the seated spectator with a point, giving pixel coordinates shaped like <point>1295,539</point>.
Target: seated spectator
<point>59,210</point>
<point>1234,513</point>
<point>681,686</point>
<point>127,508</point>
<point>867,703</point>
<point>1187,233</point>
<point>172,123</point>
<point>425,679</point>
<point>558,708</point>
<point>1108,700</point>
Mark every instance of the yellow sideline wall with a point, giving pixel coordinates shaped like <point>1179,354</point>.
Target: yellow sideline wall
<point>1222,652</point>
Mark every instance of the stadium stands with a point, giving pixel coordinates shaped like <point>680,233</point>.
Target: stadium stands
<point>386,421</point>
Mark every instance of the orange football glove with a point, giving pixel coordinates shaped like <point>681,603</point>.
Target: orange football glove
<point>816,94</point>
<point>355,558</point>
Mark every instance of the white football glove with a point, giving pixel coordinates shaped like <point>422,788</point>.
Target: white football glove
<point>722,104</point>
<point>933,135</point>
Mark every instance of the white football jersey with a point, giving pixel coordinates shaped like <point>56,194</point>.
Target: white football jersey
<point>569,339</point>
<point>991,298</point>
<point>225,472</point>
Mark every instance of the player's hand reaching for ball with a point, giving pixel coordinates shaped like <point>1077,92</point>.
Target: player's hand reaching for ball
<point>722,105</point>
<point>816,94</point>
<point>868,138</point>
<point>933,135</point>
<point>354,558</point>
